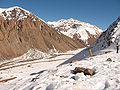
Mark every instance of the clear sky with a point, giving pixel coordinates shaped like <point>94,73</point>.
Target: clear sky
<point>97,12</point>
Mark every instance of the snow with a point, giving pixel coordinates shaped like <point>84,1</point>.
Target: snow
<point>33,54</point>
<point>46,76</point>
<point>28,70</point>
<point>71,27</point>
<point>11,8</point>
<point>7,13</point>
<point>19,14</point>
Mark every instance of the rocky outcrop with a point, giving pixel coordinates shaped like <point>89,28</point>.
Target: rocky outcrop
<point>18,35</point>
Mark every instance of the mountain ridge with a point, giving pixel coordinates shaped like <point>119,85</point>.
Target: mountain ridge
<point>81,31</point>
<point>19,34</point>
<point>106,40</point>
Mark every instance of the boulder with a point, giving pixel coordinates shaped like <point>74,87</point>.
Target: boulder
<point>109,59</point>
<point>75,77</point>
<point>88,72</point>
<point>78,70</point>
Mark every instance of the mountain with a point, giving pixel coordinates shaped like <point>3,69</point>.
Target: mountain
<point>81,31</point>
<point>109,37</point>
<point>21,30</point>
<point>108,40</point>
<point>99,72</point>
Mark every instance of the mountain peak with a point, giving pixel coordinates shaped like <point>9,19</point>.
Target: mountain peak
<point>71,19</point>
<point>14,13</point>
<point>12,8</point>
<point>118,20</point>
<point>84,32</point>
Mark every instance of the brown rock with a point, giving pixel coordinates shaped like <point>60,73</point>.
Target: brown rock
<point>88,72</point>
<point>29,66</point>
<point>79,69</point>
<point>109,59</point>
<point>107,52</point>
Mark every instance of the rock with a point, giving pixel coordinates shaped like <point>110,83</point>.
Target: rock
<point>88,72</point>
<point>109,59</point>
<point>107,52</point>
<point>75,77</point>
<point>29,66</point>
<point>34,79</point>
<point>78,70</point>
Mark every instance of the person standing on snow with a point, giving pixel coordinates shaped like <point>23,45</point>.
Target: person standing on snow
<point>117,46</point>
<point>117,42</point>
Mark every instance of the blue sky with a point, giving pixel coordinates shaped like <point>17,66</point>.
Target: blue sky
<point>97,12</point>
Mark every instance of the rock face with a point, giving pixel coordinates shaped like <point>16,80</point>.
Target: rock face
<point>21,30</point>
<point>85,33</point>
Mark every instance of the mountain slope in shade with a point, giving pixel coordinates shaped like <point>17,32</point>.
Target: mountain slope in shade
<point>81,31</point>
<point>21,30</point>
<point>108,39</point>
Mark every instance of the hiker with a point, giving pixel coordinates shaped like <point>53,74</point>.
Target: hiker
<point>90,49</point>
<point>117,46</point>
<point>117,42</point>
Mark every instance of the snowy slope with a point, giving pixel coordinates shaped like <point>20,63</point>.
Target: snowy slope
<point>37,75</point>
<point>33,54</point>
<point>109,36</point>
<point>77,29</point>
<point>106,40</point>
<point>107,75</point>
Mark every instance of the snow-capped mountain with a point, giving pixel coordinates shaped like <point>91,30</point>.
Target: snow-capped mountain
<point>16,13</point>
<point>108,39</point>
<point>21,30</point>
<point>84,32</point>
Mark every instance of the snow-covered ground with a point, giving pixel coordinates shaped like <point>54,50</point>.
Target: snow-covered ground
<point>43,74</point>
<point>28,66</point>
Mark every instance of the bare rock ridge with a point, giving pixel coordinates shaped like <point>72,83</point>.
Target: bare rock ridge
<point>21,30</point>
<point>85,33</point>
